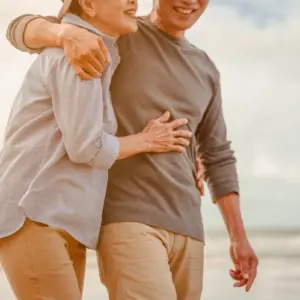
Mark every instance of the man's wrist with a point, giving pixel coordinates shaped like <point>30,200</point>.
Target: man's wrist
<point>62,33</point>
<point>229,206</point>
<point>237,234</point>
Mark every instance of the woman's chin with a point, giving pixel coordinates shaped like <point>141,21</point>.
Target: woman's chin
<point>130,26</point>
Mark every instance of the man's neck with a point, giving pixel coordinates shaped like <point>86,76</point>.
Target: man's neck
<point>156,20</point>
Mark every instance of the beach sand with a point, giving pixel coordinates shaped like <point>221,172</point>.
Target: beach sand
<point>278,278</point>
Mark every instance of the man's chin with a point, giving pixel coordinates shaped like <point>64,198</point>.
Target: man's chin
<point>182,26</point>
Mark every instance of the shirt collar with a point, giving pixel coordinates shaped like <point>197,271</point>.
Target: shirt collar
<point>77,21</point>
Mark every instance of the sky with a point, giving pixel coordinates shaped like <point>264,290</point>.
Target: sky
<point>256,47</point>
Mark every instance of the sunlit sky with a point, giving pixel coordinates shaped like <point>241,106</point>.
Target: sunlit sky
<point>256,46</point>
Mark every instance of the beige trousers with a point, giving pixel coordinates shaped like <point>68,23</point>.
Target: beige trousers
<point>139,262</point>
<point>43,263</point>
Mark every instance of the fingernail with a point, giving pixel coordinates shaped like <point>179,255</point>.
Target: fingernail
<point>246,276</point>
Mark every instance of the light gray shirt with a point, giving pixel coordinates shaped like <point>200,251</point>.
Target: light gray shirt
<point>59,144</point>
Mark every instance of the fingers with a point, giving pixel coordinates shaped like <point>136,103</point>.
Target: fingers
<point>200,176</point>
<point>200,187</point>
<point>82,74</point>
<point>178,123</point>
<point>163,135</point>
<point>245,267</point>
<point>182,133</point>
<point>241,283</point>
<point>175,148</point>
<point>252,276</point>
<point>103,54</point>
<point>164,117</point>
<point>90,70</point>
<point>236,275</point>
<point>181,141</point>
<point>245,279</point>
<point>200,169</point>
<point>86,70</point>
<point>97,63</point>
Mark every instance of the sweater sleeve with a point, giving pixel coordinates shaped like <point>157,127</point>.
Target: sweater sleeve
<point>215,149</point>
<point>17,27</point>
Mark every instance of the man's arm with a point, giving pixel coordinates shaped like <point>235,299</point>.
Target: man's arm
<point>220,164</point>
<point>32,33</point>
<point>221,176</point>
<point>85,50</point>
<point>215,150</point>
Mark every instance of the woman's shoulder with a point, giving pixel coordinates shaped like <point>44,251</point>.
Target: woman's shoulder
<point>51,57</point>
<point>53,52</point>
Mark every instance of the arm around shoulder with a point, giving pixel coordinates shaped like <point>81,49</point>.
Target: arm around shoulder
<point>31,33</point>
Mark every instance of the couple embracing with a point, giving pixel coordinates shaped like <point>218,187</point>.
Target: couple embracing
<point>102,151</point>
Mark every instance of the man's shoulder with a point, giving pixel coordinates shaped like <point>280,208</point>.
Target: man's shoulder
<point>203,54</point>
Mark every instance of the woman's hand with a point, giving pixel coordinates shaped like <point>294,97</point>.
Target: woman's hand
<point>86,51</point>
<point>164,136</point>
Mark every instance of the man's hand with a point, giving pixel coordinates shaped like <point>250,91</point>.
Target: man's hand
<point>200,176</point>
<point>86,51</point>
<point>245,262</point>
<point>244,259</point>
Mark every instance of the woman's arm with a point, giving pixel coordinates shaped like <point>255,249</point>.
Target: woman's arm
<point>86,51</point>
<point>78,109</point>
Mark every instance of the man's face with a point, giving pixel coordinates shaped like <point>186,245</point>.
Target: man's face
<point>180,15</point>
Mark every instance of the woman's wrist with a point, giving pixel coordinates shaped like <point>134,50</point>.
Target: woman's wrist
<point>141,142</point>
<point>133,144</point>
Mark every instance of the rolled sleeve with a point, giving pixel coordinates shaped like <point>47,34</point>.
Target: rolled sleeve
<point>109,149</point>
<point>215,149</point>
<point>78,108</point>
<point>16,29</point>
<point>223,180</point>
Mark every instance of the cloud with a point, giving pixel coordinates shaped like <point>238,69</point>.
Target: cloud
<point>261,11</point>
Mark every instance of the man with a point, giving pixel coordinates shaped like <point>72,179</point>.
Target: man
<point>152,240</point>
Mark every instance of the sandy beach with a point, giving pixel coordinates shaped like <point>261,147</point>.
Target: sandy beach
<point>278,278</point>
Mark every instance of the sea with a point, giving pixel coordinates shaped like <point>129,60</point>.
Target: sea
<point>278,273</point>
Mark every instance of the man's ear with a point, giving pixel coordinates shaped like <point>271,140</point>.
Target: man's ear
<point>88,7</point>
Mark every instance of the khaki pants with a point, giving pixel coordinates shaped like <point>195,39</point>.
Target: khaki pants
<point>43,263</point>
<point>139,262</point>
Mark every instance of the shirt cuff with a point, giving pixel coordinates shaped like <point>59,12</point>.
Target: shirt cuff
<point>225,190</point>
<point>223,181</point>
<point>17,34</point>
<point>109,150</point>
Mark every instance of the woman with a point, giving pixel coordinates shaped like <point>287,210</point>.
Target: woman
<point>59,145</point>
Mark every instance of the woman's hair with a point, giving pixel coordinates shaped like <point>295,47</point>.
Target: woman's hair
<point>75,8</point>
